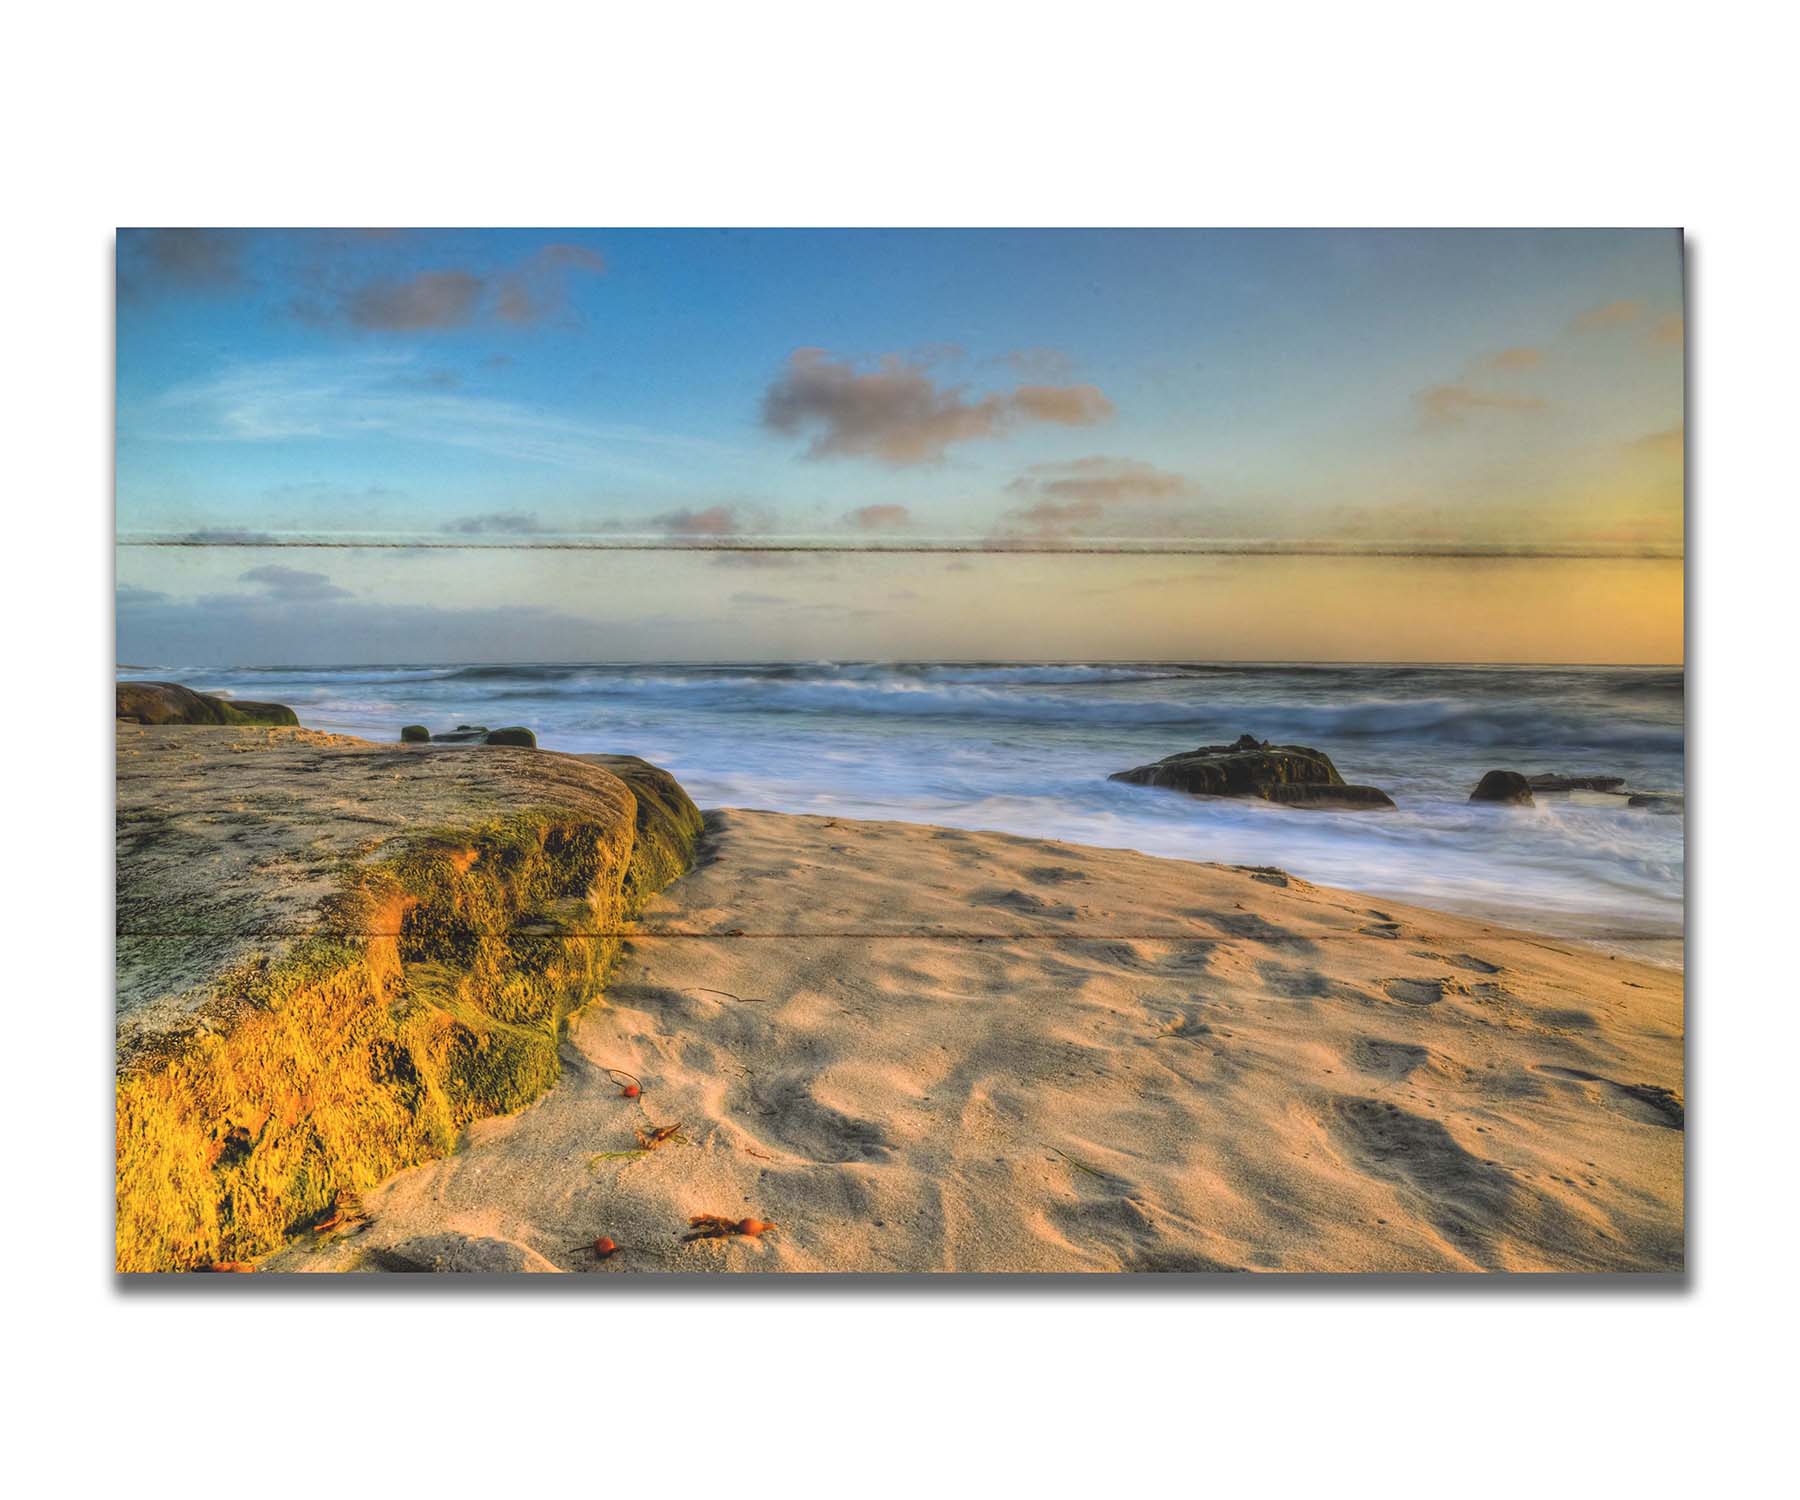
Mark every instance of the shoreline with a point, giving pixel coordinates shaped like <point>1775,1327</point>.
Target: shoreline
<point>924,1048</point>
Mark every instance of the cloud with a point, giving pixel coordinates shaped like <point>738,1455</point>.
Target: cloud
<point>897,414</point>
<point>430,300</point>
<point>502,523</point>
<point>1066,405</point>
<point>1669,443</point>
<point>130,596</point>
<point>539,289</point>
<point>261,627</point>
<point>1608,315</point>
<point>1450,405</point>
<point>1670,331</point>
<point>192,260</point>
<point>1053,514</point>
<point>442,299</point>
<point>879,517</point>
<point>748,598</point>
<point>293,585</point>
<point>356,399</point>
<point>1514,359</point>
<point>714,521</point>
<point>1103,481</point>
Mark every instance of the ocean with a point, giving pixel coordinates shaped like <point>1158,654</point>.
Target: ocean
<point>1026,749</point>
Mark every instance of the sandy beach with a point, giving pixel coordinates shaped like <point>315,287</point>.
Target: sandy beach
<point>923,1049</point>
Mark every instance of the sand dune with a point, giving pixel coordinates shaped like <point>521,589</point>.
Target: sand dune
<point>921,1049</point>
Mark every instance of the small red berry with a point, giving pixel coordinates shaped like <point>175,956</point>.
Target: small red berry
<point>753,1227</point>
<point>630,1091</point>
<point>605,1246</point>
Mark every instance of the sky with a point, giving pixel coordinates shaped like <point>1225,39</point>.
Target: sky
<point>1438,445</point>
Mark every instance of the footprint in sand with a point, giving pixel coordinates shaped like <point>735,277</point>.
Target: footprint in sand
<point>1415,991</point>
<point>1465,961</point>
<point>1381,1058</point>
<point>811,1128</point>
<point>1664,1105</point>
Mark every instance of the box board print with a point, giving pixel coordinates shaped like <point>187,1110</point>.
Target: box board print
<point>702,752</point>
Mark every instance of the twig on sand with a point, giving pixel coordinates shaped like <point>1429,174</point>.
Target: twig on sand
<point>632,1086</point>
<point>741,999</point>
<point>1079,1166</point>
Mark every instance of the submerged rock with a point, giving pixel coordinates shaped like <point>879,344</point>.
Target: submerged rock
<point>463,734</point>
<point>513,734</point>
<point>1552,783</point>
<point>1660,802</point>
<point>171,703</point>
<point>414,734</point>
<point>1293,775</point>
<point>1504,786</point>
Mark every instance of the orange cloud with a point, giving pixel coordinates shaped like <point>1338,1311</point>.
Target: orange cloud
<point>1450,405</point>
<point>1515,359</point>
<point>1608,315</point>
<point>879,517</point>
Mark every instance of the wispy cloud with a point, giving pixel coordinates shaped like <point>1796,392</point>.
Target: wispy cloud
<point>898,414</point>
<point>497,523</point>
<point>376,396</point>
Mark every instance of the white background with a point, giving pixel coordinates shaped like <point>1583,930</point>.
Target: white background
<point>920,113</point>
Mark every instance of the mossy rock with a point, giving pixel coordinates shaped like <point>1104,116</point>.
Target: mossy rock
<point>375,975</point>
<point>415,734</point>
<point>513,734</point>
<point>171,703</point>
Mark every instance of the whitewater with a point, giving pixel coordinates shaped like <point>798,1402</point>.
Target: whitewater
<point>1026,748</point>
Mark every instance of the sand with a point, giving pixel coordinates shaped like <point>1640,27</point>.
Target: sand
<point>920,1049</point>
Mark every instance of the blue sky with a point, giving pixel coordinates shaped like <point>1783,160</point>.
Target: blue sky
<point>1053,387</point>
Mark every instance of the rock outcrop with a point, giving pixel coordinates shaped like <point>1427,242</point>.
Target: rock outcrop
<point>516,735</point>
<point>414,734</point>
<point>1548,782</point>
<point>1292,775</point>
<point>334,955</point>
<point>1504,786</point>
<point>171,703</point>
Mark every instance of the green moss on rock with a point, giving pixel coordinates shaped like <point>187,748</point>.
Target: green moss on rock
<point>435,994</point>
<point>414,734</point>
<point>171,703</point>
<point>513,734</point>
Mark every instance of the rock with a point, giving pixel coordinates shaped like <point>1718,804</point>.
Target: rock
<point>463,734</point>
<point>416,929</point>
<point>1551,783</point>
<point>171,703</point>
<point>513,734</point>
<point>1504,786</point>
<point>415,734</point>
<point>1328,797</point>
<point>1659,802</point>
<point>1293,775</point>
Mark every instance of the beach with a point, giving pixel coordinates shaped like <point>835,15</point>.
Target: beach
<point>924,1049</point>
